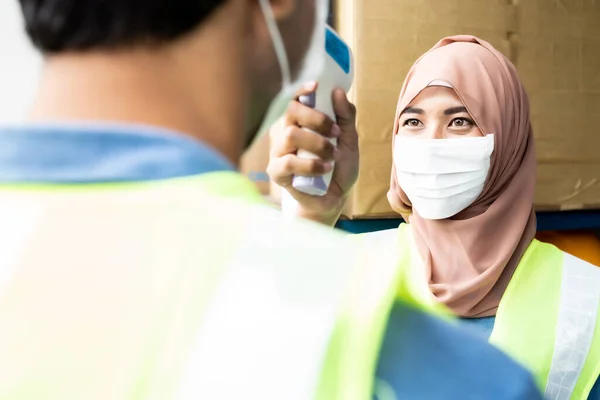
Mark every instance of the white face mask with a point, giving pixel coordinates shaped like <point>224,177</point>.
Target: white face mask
<point>312,65</point>
<point>442,177</point>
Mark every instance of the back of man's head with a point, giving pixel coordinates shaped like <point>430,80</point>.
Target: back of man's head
<point>212,60</point>
<point>81,25</point>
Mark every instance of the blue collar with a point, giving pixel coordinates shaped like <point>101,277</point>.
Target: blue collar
<point>66,153</point>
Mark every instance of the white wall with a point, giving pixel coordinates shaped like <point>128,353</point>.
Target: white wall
<point>19,64</point>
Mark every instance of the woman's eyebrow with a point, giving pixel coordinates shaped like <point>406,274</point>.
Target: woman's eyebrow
<point>412,110</point>
<point>455,110</point>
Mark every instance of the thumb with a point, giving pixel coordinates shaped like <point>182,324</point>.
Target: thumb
<point>345,111</point>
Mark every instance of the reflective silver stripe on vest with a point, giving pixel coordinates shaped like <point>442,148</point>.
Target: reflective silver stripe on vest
<point>578,310</point>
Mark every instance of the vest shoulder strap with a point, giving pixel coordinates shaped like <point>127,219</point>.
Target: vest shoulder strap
<point>225,184</point>
<point>559,295</point>
<point>411,287</point>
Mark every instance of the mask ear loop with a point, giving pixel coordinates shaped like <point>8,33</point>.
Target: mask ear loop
<point>277,42</point>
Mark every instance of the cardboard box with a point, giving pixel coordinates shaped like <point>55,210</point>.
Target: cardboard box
<point>554,44</point>
<point>558,57</point>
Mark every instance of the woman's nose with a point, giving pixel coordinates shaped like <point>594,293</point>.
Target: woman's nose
<point>435,132</point>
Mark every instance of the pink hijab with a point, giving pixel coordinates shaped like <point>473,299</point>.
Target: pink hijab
<point>470,258</point>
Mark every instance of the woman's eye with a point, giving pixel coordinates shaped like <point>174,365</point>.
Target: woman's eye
<point>412,122</point>
<point>461,122</point>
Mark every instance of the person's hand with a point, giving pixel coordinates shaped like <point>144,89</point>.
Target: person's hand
<point>287,137</point>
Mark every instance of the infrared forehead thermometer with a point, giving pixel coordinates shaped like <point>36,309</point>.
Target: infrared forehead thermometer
<point>338,72</point>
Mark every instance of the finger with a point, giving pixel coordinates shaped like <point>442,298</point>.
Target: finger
<point>282,141</point>
<point>283,169</point>
<point>310,118</point>
<point>295,138</point>
<point>345,111</point>
<point>306,89</point>
<point>279,173</point>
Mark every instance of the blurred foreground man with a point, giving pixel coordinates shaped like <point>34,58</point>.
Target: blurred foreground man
<point>136,263</point>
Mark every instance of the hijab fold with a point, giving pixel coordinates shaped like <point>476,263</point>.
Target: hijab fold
<point>469,259</point>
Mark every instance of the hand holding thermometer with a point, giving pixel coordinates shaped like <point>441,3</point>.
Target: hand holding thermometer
<point>338,72</point>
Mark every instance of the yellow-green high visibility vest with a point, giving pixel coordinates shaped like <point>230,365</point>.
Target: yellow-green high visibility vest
<point>547,319</point>
<point>185,288</point>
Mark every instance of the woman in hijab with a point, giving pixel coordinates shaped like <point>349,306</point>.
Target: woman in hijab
<point>463,178</point>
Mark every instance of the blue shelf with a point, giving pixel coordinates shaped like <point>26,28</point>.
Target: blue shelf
<point>546,221</point>
<point>367,225</point>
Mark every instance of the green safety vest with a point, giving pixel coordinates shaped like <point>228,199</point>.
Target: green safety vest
<point>547,319</point>
<point>156,290</point>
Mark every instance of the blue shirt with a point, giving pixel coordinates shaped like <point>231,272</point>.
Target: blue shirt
<point>79,154</point>
<point>483,327</point>
<point>421,356</point>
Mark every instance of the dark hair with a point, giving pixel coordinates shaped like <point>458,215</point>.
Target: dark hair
<point>78,25</point>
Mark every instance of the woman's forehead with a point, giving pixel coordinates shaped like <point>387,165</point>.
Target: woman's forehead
<point>435,100</point>
<point>459,65</point>
<point>435,95</point>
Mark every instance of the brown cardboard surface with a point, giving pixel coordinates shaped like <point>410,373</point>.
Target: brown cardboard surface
<point>556,47</point>
<point>559,61</point>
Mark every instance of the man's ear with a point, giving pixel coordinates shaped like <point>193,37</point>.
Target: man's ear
<point>283,9</point>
